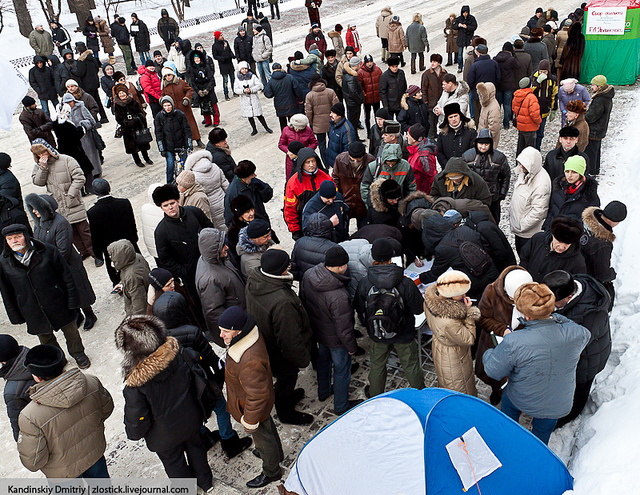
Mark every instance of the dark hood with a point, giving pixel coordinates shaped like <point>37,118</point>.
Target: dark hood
<point>434,228</point>
<point>105,65</point>
<point>503,56</point>
<point>457,165</point>
<point>40,58</point>
<point>54,60</point>
<point>465,8</point>
<point>385,276</point>
<point>44,204</point>
<point>278,74</point>
<point>594,297</point>
<point>172,308</point>
<point>210,244</point>
<point>318,225</point>
<point>14,369</point>
<point>304,154</point>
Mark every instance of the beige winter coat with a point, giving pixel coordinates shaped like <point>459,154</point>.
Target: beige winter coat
<point>62,428</point>
<point>382,23</point>
<point>195,196</point>
<point>317,106</point>
<point>338,44</point>
<point>397,42</point>
<point>531,194</point>
<point>490,112</point>
<point>454,331</point>
<point>213,182</point>
<point>64,180</point>
<point>134,275</point>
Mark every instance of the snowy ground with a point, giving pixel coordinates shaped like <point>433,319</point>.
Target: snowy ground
<point>587,446</point>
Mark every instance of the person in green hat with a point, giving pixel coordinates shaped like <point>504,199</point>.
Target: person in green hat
<point>572,192</point>
<point>597,117</point>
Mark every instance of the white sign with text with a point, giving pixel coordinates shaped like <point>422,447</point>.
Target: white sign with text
<point>606,20</point>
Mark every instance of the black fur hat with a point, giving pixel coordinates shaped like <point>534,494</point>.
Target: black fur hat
<point>217,134</point>
<point>165,193</point>
<point>140,335</point>
<point>240,205</point>
<point>566,229</point>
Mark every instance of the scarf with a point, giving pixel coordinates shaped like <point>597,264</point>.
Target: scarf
<point>454,129</point>
<point>25,258</point>
<point>573,188</point>
<point>245,77</point>
<point>451,186</point>
<point>226,149</point>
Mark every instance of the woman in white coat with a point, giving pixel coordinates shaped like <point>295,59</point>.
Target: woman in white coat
<point>530,200</point>
<point>213,181</point>
<point>248,85</point>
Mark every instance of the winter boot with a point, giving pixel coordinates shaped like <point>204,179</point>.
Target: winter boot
<point>200,143</point>
<point>235,445</point>
<point>79,319</point>
<point>264,124</point>
<point>252,121</point>
<point>209,438</point>
<point>145,157</point>
<point>413,66</point>
<point>90,318</point>
<point>293,417</point>
<point>449,59</point>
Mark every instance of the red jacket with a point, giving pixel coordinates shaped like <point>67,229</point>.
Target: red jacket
<point>353,39</point>
<point>370,81</point>
<point>151,84</point>
<point>527,110</point>
<point>306,137</point>
<point>300,189</point>
<point>422,159</point>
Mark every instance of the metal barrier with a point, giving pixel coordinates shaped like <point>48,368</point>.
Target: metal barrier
<point>28,60</point>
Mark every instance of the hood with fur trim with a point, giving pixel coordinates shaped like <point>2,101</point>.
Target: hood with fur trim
<point>375,196</point>
<point>593,225</point>
<point>417,199</point>
<point>486,92</point>
<point>44,204</point>
<point>39,145</point>
<point>85,54</point>
<point>444,307</point>
<point>152,365</point>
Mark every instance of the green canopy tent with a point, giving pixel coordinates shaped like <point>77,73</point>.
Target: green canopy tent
<point>612,45</point>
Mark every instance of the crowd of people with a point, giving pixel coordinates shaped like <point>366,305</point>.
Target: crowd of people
<point>430,189</point>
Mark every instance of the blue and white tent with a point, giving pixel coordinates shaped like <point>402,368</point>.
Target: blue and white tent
<point>403,442</point>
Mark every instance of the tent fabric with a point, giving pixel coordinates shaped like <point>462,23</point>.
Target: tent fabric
<point>395,443</point>
<point>14,88</point>
<point>618,56</point>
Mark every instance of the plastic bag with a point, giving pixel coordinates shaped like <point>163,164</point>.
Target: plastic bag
<point>472,458</point>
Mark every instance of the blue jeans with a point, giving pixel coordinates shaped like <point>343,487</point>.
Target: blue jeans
<point>505,98</point>
<point>337,358</point>
<point>144,56</point>
<point>460,57</point>
<point>541,428</point>
<point>224,420</point>
<point>225,80</point>
<point>540,133</point>
<point>45,106</point>
<point>264,71</point>
<point>171,166</point>
<point>98,470</point>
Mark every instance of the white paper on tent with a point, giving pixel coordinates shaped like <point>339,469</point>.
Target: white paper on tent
<point>472,458</point>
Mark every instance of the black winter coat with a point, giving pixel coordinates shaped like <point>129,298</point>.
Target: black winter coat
<point>497,243</point>
<point>434,228</point>
<point>43,294</point>
<point>352,91</point>
<point>120,33</point>
<point>325,297</point>
<point>85,72</point>
<point>140,36</point>
<point>493,168</point>
<point>172,130</point>
<point>259,192</point>
<point>388,277</point>
<point>42,81</point>
<point>226,162</point>
<point>571,205</point>
<point>10,187</point>
<point>483,69</point>
<point>597,245</point>
<point>454,143</point>
<point>69,143</point>
<point>286,93</point>
<point>131,118</point>
<point>161,405</point>
<point>177,242</point>
<point>11,212</point>
<point>465,35</point>
<point>16,395</point>
<point>476,189</point>
<point>508,66</point>
<point>111,219</point>
<point>539,260</point>
<point>598,113</point>
<point>590,309</point>
<point>221,51</point>
<point>329,75</point>
<point>392,86</point>
<point>172,308</point>
<point>243,46</point>
<point>60,74</point>
<point>93,40</point>
<point>416,112</point>
<point>201,77</point>
<point>554,161</point>
<point>375,139</point>
<point>311,249</point>
<point>447,255</point>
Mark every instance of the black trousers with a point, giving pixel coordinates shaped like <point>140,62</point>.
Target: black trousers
<point>284,387</point>
<point>520,243</point>
<point>368,109</point>
<point>96,97</point>
<point>195,465</point>
<point>580,398</point>
<point>353,116</point>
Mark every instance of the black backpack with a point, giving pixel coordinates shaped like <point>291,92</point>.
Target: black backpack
<point>384,312</point>
<point>474,258</point>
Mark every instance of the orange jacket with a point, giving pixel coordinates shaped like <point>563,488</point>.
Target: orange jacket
<point>527,110</point>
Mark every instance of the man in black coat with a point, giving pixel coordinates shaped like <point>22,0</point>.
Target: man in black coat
<point>36,123</point>
<point>140,34</point>
<point>86,73</point>
<point>311,248</point>
<point>458,181</point>
<point>466,26</point>
<point>221,51</point>
<point>41,80</point>
<point>220,152</point>
<point>414,110</point>
<point>393,85</point>
<point>329,72</point>
<point>484,69</point>
<point>508,64</point>
<point>110,219</point>
<point>18,379</point>
<point>121,34</point>
<point>597,244</point>
<point>456,135</point>
<point>584,300</point>
<point>243,47</point>
<point>246,183</point>
<point>557,249</point>
<point>37,288</point>
<point>497,243</point>
<point>60,73</point>
<point>286,93</point>
<point>554,161</point>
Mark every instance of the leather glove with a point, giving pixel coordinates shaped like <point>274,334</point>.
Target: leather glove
<point>552,115</point>
<point>186,102</point>
<point>541,78</point>
<point>296,235</point>
<point>163,154</point>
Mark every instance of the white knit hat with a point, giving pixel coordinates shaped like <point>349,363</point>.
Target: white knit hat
<point>514,279</point>
<point>299,121</point>
<point>166,71</point>
<point>71,82</point>
<point>453,283</point>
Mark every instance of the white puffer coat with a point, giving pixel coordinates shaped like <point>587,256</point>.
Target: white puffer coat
<point>150,215</point>
<point>531,193</point>
<point>250,105</point>
<point>212,179</point>
<point>64,180</point>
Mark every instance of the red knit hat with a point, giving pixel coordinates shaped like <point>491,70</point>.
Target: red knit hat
<point>217,34</point>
